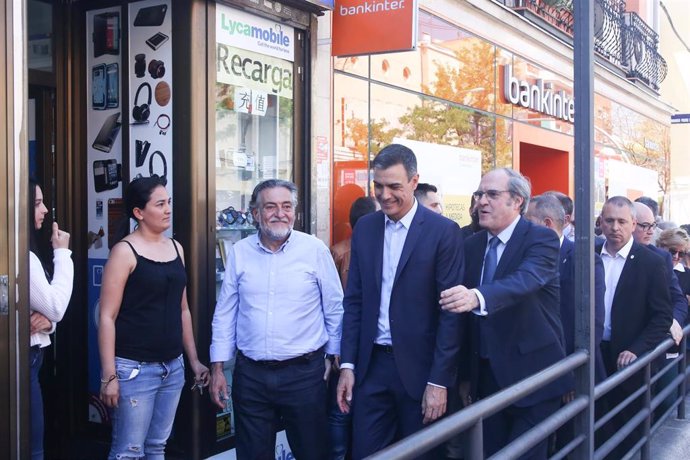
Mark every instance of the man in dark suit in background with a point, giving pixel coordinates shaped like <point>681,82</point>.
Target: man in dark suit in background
<point>643,234</point>
<point>638,307</point>
<point>511,289</point>
<point>547,210</point>
<point>401,345</point>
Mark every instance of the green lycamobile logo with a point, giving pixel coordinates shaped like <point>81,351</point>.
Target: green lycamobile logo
<point>273,35</point>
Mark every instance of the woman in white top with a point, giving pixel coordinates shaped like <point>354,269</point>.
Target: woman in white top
<point>49,296</point>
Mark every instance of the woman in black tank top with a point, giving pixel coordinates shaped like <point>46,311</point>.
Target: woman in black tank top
<point>144,326</point>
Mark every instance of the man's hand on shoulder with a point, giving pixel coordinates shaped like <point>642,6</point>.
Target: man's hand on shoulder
<point>459,299</point>
<point>434,402</point>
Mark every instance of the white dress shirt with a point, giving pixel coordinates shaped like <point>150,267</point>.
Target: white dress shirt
<point>50,298</point>
<point>394,236</point>
<point>503,237</point>
<point>613,267</point>
<point>278,305</point>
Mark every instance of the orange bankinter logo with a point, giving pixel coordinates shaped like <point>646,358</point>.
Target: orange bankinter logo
<point>367,27</point>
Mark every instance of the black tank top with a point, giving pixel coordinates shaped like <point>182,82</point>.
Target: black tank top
<point>149,324</point>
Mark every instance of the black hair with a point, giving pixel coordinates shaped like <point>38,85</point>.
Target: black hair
<point>424,188</point>
<point>396,154</point>
<point>651,204</point>
<point>361,207</point>
<point>38,240</point>
<point>139,191</point>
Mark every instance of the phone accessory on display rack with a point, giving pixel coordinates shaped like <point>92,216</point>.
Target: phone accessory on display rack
<point>141,150</point>
<point>141,113</point>
<point>232,218</point>
<point>150,16</point>
<point>108,133</point>
<point>162,93</point>
<point>98,87</point>
<point>106,34</point>
<point>106,174</point>
<point>163,123</point>
<point>164,176</point>
<point>156,68</point>
<point>140,65</point>
<point>112,85</point>
<point>157,40</point>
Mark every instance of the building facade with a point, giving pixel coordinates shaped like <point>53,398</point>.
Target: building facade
<point>219,95</point>
<point>493,79</point>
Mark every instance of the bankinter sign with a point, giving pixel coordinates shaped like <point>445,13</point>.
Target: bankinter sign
<point>537,96</point>
<point>373,26</point>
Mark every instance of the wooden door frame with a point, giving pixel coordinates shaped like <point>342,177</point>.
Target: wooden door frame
<point>14,255</point>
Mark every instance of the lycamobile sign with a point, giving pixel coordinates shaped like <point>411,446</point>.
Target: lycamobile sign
<point>537,97</point>
<point>243,30</point>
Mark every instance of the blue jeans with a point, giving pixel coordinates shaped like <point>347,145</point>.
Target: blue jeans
<point>35,362</point>
<point>143,419</point>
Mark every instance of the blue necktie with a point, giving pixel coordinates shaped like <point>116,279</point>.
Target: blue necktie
<point>490,261</point>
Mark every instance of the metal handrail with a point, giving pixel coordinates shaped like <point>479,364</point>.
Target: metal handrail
<point>472,416</point>
<point>448,427</point>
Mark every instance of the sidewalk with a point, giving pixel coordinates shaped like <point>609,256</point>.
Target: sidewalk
<point>672,440</point>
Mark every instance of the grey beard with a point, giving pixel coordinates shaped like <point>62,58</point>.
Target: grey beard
<point>274,236</point>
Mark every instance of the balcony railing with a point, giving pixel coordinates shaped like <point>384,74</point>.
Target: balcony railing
<point>640,56</point>
<point>622,38</point>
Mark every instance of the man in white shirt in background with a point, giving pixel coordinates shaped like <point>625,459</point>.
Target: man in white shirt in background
<point>279,312</point>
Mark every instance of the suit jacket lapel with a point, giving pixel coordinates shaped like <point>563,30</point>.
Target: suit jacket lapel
<point>410,241</point>
<point>474,258</point>
<point>377,248</point>
<point>627,275</point>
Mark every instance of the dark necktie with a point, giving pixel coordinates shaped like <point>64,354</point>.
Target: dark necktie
<point>490,261</point>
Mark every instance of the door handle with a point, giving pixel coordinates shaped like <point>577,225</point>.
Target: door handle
<point>4,296</point>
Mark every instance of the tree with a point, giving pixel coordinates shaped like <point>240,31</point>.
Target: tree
<point>468,80</point>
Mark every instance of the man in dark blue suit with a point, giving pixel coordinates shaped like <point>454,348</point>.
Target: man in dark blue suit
<point>399,350</point>
<point>548,210</point>
<point>511,289</point>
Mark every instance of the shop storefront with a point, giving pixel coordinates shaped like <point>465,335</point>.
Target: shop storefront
<point>212,95</point>
<point>219,95</point>
<point>493,88</point>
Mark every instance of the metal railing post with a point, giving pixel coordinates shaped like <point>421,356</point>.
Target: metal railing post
<point>645,452</point>
<point>475,438</point>
<point>583,77</point>
<point>682,389</point>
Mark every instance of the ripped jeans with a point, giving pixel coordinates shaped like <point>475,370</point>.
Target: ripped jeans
<point>149,393</point>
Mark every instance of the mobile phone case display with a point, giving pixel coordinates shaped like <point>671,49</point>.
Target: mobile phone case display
<point>150,89</point>
<point>106,222</point>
